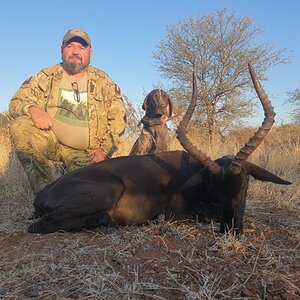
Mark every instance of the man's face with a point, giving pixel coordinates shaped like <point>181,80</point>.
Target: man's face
<point>75,56</point>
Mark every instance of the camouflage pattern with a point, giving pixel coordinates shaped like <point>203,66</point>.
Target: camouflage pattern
<point>107,121</point>
<point>37,148</point>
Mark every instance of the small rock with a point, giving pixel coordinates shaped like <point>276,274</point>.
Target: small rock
<point>246,293</point>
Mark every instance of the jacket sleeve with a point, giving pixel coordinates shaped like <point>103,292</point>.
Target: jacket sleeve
<point>116,119</point>
<point>31,92</point>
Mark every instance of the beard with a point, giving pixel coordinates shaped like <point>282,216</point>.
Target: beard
<point>75,67</point>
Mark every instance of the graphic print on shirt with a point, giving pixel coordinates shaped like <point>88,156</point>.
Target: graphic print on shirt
<point>70,111</point>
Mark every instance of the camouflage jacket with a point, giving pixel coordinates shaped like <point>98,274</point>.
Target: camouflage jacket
<point>107,118</point>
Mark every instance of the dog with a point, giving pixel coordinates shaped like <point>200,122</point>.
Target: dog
<point>155,135</point>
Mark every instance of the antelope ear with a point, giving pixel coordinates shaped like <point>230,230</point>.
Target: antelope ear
<point>169,108</point>
<point>193,181</point>
<point>145,103</point>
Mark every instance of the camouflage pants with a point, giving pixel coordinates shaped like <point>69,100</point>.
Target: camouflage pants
<point>36,149</point>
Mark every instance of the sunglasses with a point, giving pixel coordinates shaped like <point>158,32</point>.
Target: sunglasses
<point>76,94</point>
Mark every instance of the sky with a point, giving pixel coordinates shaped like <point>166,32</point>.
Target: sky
<point>125,33</point>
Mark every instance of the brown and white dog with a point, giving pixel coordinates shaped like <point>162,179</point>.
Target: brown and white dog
<point>155,135</point>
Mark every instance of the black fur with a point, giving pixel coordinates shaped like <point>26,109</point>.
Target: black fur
<point>136,189</point>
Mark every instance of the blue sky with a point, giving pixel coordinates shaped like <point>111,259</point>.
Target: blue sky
<point>124,35</point>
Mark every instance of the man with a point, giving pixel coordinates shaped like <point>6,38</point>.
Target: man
<point>70,112</point>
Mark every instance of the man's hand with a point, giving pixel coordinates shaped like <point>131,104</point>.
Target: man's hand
<point>97,156</point>
<point>40,118</point>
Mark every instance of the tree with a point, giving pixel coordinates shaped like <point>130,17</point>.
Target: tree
<point>294,99</point>
<point>217,47</point>
<point>133,117</point>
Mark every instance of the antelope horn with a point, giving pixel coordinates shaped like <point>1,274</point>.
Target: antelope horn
<point>258,137</point>
<point>186,143</point>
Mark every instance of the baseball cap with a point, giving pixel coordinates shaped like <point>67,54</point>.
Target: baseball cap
<point>76,35</point>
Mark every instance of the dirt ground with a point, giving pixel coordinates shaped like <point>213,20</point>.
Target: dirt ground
<point>166,260</point>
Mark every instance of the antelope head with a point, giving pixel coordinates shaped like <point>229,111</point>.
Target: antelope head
<point>226,183</point>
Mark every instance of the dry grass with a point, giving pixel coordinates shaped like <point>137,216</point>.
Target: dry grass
<point>163,260</point>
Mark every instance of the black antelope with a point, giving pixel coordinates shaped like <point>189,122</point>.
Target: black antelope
<point>136,189</point>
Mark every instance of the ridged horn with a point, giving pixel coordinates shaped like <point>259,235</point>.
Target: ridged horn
<point>186,143</point>
<point>258,137</point>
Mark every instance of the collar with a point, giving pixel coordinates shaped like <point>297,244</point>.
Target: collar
<point>150,122</point>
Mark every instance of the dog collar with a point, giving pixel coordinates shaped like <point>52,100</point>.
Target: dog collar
<point>150,122</point>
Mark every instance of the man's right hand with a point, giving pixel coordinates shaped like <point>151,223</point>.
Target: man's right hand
<point>40,118</point>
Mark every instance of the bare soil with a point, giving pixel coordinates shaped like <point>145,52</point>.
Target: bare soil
<point>165,260</point>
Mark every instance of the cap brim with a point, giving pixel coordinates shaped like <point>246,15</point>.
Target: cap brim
<point>77,39</point>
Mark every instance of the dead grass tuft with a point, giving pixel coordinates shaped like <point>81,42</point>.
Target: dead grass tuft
<point>161,260</point>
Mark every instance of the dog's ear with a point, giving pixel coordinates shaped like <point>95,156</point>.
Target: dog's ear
<point>145,103</point>
<point>169,107</point>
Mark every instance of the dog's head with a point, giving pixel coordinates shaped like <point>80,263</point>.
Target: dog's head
<point>157,103</point>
